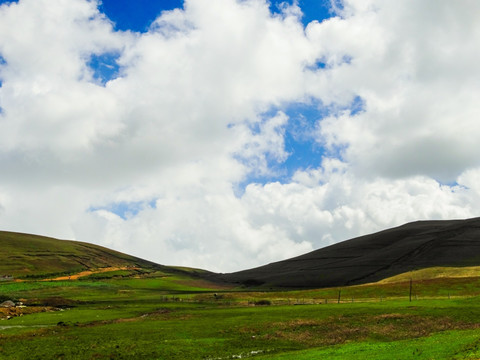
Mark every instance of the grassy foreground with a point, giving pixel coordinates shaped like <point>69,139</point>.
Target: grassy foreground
<point>120,315</point>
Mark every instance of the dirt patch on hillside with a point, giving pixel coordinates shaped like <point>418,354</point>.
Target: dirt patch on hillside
<point>90,272</point>
<point>8,313</point>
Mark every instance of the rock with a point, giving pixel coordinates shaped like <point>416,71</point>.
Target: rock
<point>7,304</point>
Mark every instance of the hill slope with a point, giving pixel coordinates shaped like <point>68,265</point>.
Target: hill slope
<point>23,255</point>
<point>373,257</point>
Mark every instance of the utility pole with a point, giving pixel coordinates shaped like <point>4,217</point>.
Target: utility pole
<point>410,295</point>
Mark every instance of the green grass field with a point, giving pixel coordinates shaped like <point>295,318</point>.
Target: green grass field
<point>162,316</point>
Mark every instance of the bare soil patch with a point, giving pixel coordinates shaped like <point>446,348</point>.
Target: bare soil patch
<point>8,313</point>
<point>90,272</point>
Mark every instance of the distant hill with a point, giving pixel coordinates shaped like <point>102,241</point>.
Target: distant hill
<point>24,256</point>
<point>370,258</point>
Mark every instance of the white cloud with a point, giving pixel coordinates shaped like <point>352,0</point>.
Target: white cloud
<point>325,208</point>
<point>185,123</point>
<point>414,66</point>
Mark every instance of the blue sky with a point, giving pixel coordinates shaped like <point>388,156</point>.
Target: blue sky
<point>232,137</point>
<point>137,15</point>
<point>305,152</point>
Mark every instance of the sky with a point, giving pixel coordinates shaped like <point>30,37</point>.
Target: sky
<point>228,134</point>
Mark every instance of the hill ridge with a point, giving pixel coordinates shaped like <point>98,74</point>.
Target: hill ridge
<point>373,257</point>
<point>33,256</point>
<point>364,259</point>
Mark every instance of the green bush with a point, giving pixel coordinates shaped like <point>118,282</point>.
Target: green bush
<point>263,302</point>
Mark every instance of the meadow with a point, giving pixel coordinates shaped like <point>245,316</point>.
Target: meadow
<point>132,314</point>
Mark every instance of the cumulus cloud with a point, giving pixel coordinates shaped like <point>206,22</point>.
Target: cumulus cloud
<point>150,161</point>
<point>414,66</point>
<point>48,99</point>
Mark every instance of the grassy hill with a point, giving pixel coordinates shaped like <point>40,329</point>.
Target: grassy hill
<point>370,258</point>
<point>161,312</point>
<point>32,256</point>
<point>446,248</point>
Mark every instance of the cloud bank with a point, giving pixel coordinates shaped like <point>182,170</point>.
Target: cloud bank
<point>175,157</point>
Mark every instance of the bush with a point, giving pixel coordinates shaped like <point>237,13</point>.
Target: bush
<point>263,302</point>
<point>56,301</point>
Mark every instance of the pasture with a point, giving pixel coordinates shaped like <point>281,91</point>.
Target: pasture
<point>124,315</point>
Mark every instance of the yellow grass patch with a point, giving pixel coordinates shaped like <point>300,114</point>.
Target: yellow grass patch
<point>90,272</point>
<point>434,273</point>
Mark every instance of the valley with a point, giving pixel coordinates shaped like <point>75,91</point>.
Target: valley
<point>124,308</point>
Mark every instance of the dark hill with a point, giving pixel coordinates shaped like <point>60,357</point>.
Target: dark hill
<point>24,255</point>
<point>373,257</point>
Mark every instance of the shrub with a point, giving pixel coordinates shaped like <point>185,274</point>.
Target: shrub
<point>263,302</point>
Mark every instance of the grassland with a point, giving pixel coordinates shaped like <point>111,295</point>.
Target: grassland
<point>156,315</point>
<point>87,302</point>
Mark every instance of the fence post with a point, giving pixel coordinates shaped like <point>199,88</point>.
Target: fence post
<point>410,294</point>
